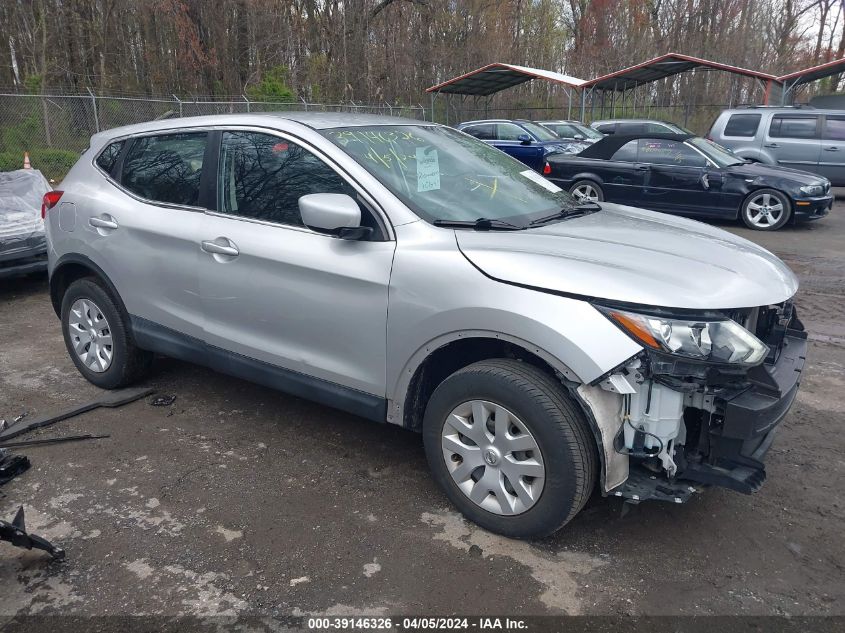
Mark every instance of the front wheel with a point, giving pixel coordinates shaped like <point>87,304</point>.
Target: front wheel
<point>765,210</point>
<point>509,447</point>
<point>586,191</point>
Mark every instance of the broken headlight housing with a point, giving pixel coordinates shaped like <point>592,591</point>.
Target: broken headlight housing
<point>711,340</point>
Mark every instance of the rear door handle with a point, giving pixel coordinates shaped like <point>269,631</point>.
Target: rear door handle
<point>215,248</point>
<point>104,222</point>
<point>831,149</point>
<point>643,167</point>
<point>771,145</point>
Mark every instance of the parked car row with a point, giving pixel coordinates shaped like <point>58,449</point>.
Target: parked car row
<point>780,169</point>
<point>526,141</point>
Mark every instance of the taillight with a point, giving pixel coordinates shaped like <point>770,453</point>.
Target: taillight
<point>547,169</point>
<point>50,200</point>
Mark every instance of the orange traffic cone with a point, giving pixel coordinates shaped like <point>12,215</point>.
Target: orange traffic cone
<point>26,164</point>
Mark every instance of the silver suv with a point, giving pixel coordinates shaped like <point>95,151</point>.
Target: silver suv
<point>409,273</point>
<point>800,138</point>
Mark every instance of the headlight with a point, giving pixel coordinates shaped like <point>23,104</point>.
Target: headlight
<point>812,190</point>
<point>720,341</point>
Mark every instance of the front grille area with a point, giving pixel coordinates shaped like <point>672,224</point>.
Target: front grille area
<point>768,323</point>
<point>771,326</point>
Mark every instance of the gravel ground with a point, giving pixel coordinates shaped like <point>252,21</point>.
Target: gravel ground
<point>240,500</point>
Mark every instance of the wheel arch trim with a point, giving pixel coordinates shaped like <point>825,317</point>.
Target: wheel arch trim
<point>79,260</point>
<point>613,466</point>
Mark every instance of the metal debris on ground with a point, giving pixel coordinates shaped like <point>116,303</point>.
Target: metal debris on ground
<point>20,417</point>
<point>15,533</point>
<point>53,440</point>
<point>11,466</point>
<point>163,401</point>
<point>108,399</point>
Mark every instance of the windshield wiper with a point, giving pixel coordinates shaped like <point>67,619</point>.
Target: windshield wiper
<point>481,224</point>
<point>568,212</point>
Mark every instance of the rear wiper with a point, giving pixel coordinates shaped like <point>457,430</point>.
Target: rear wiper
<point>567,212</point>
<point>481,224</point>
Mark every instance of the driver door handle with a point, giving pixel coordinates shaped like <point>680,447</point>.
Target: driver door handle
<point>215,248</point>
<point>643,167</point>
<point>831,149</point>
<point>771,145</point>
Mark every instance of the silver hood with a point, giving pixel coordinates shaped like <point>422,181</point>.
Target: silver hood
<point>635,256</point>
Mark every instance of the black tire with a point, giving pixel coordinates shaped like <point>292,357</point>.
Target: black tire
<point>587,183</point>
<point>128,363</point>
<point>746,212</point>
<point>558,425</point>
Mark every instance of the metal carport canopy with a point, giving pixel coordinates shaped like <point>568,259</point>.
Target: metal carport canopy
<point>665,66</point>
<point>496,77</point>
<point>814,73</point>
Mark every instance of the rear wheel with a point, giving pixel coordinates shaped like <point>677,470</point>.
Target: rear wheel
<point>765,210</point>
<point>586,191</point>
<point>98,337</point>
<point>509,448</point>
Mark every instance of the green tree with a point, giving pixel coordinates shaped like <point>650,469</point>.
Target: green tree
<point>272,87</point>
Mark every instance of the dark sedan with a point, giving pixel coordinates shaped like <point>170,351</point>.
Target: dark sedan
<point>689,175</point>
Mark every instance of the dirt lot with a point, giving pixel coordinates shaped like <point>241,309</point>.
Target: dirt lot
<point>241,500</point>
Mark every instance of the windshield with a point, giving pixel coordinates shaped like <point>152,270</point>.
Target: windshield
<point>587,132</point>
<point>442,174</point>
<point>540,132</point>
<point>722,156</point>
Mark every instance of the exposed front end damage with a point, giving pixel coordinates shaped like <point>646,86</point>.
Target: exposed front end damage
<point>670,425</point>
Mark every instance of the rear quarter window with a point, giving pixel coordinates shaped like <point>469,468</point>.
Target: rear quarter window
<point>107,158</point>
<point>626,153</point>
<point>742,125</point>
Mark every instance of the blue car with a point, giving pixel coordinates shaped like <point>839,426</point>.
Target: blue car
<point>524,140</point>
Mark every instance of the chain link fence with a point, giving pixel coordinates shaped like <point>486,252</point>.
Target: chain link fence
<point>54,128</point>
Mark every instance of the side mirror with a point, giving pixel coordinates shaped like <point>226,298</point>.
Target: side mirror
<point>334,213</point>
<point>524,139</point>
<point>578,137</point>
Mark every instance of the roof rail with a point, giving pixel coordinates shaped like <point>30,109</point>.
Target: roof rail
<point>754,106</point>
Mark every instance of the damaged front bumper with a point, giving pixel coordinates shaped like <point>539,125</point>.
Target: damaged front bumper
<point>682,432</point>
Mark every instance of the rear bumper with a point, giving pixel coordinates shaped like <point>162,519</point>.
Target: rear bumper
<point>22,258</point>
<point>812,208</point>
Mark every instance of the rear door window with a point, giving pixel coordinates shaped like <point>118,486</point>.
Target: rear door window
<point>166,168</point>
<point>664,152</point>
<point>108,157</point>
<point>834,128</point>
<point>742,125</point>
<point>791,126</point>
<point>484,132</point>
